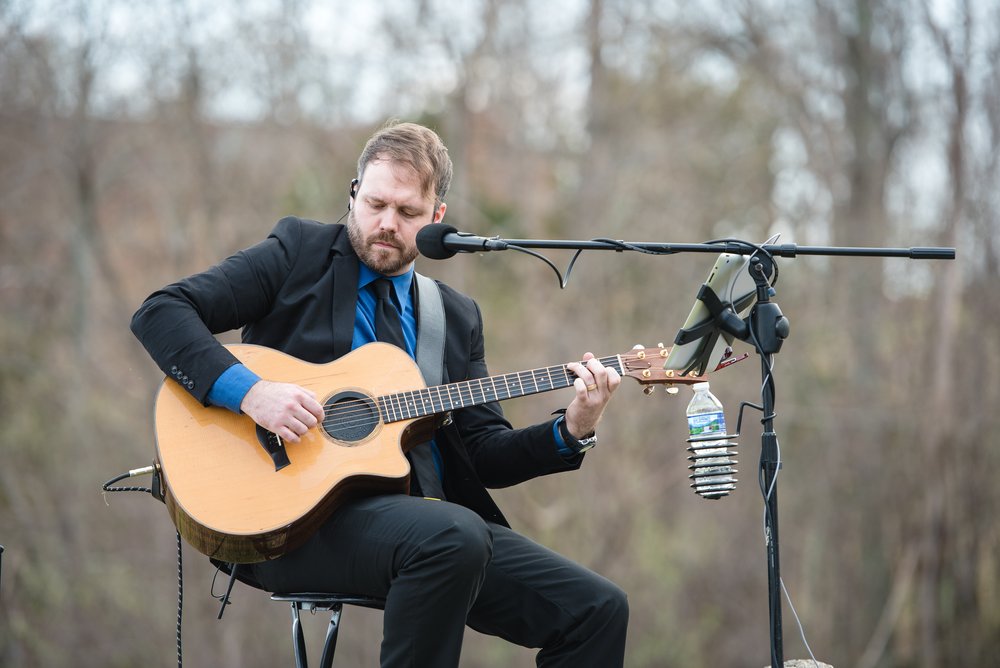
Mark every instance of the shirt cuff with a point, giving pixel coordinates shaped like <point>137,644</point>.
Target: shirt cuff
<point>230,387</point>
<point>563,449</point>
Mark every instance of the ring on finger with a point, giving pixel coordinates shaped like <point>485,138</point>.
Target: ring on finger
<point>592,387</point>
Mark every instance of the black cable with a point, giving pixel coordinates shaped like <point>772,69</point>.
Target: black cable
<point>180,601</point>
<point>562,282</point>
<point>758,249</point>
<point>624,246</point>
<point>107,487</point>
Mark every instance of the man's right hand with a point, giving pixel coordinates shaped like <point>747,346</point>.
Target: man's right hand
<point>283,408</point>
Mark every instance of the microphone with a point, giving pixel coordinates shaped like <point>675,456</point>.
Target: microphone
<point>439,242</point>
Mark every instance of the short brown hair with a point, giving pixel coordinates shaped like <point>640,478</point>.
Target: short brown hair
<point>416,146</point>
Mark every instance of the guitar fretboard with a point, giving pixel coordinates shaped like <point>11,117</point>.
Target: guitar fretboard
<point>444,398</point>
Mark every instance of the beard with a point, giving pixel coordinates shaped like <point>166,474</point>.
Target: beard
<point>384,261</point>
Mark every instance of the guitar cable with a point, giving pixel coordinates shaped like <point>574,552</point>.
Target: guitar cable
<point>156,493</point>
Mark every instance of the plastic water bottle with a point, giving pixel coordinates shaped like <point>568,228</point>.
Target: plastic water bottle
<point>712,461</point>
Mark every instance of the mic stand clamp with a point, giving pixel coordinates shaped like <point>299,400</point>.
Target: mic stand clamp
<point>769,327</point>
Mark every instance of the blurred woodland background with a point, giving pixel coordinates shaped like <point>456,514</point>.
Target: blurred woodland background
<point>140,142</point>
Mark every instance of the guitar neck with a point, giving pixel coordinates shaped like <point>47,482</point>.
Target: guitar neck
<point>444,398</point>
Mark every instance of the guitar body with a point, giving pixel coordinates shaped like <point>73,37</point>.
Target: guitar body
<point>239,495</point>
<point>221,486</point>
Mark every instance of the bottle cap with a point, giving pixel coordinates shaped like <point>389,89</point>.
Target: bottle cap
<point>704,385</point>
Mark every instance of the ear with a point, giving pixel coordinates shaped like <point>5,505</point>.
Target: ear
<point>439,213</point>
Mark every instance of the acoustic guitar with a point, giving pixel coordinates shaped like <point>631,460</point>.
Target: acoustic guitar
<point>237,493</point>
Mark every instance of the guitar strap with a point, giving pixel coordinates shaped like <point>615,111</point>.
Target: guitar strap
<point>430,359</point>
<point>430,330</point>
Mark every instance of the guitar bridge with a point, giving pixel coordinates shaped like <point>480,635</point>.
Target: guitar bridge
<point>274,447</point>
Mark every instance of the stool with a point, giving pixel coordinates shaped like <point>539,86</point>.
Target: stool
<point>313,602</point>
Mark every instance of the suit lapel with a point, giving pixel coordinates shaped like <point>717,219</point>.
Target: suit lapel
<point>345,295</point>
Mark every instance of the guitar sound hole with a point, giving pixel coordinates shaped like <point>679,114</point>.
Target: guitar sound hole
<point>350,416</point>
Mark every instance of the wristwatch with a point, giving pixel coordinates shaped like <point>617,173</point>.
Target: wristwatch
<point>577,445</point>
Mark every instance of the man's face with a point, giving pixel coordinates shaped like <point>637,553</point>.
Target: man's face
<point>389,209</point>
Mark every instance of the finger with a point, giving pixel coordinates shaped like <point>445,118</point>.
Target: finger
<point>292,429</point>
<point>580,371</point>
<point>584,378</point>
<point>315,408</point>
<point>305,416</point>
<point>614,380</point>
<point>287,434</point>
<point>599,371</point>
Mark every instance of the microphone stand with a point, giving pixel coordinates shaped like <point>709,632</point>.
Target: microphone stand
<point>766,329</point>
<point>739,248</point>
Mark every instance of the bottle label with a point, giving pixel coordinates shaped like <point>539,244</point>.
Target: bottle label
<point>707,423</point>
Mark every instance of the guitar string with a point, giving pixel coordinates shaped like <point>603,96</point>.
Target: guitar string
<point>363,407</point>
<point>359,411</point>
<point>425,396</point>
<point>419,399</point>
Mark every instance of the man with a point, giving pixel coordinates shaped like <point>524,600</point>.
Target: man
<point>310,290</point>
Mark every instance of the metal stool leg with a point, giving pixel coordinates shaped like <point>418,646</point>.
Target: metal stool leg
<point>298,638</point>
<point>334,603</point>
<point>330,644</point>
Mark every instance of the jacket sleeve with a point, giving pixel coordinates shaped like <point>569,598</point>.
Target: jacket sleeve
<point>500,455</point>
<point>177,323</point>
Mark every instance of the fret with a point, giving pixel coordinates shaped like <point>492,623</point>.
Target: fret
<point>411,404</point>
<point>614,362</point>
<point>534,381</point>
<point>440,402</point>
<point>467,387</point>
<point>507,387</point>
<point>520,384</point>
<point>552,382</point>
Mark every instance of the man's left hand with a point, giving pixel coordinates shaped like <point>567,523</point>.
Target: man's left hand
<point>594,386</point>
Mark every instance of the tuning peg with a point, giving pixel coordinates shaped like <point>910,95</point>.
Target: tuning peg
<point>673,389</point>
<point>648,389</point>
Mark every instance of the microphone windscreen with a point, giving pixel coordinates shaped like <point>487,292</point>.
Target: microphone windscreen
<point>430,241</point>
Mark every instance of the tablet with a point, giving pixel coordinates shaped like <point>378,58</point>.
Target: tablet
<point>731,281</point>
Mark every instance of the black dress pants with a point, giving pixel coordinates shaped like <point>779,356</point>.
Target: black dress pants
<point>440,566</point>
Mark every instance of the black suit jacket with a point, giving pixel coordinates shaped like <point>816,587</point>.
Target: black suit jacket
<point>296,292</point>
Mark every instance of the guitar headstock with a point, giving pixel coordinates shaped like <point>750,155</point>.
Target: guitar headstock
<point>646,366</point>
